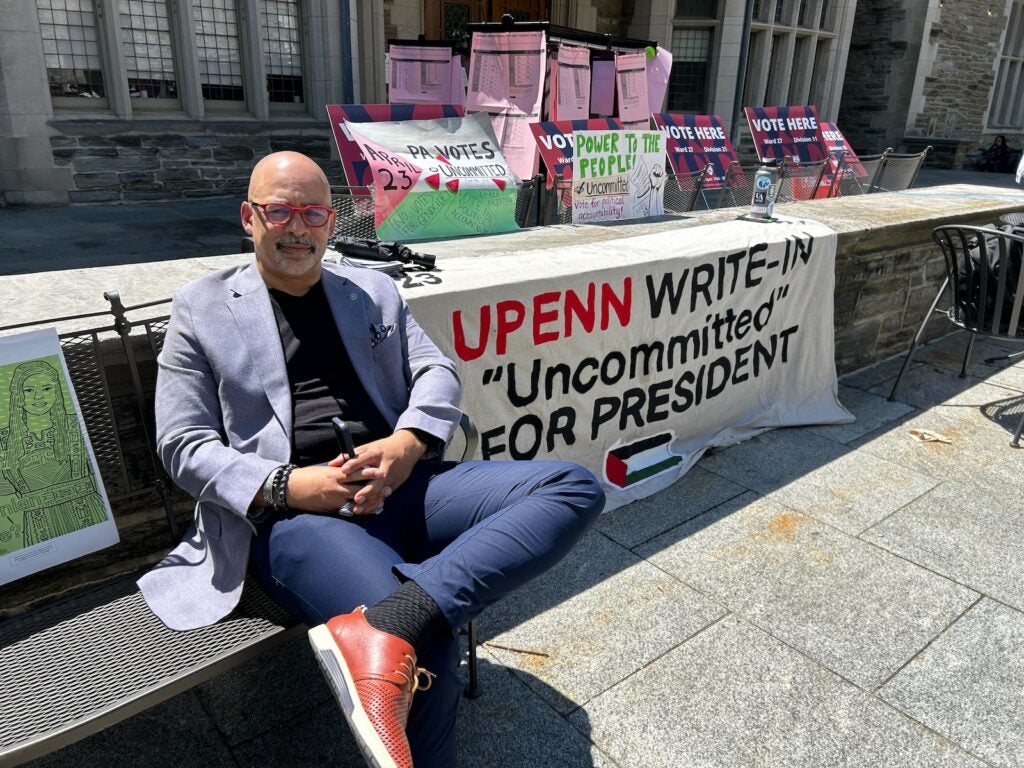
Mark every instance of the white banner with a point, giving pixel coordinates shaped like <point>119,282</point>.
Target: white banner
<point>633,357</point>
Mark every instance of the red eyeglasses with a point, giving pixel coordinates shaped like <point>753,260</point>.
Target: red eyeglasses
<point>280,214</point>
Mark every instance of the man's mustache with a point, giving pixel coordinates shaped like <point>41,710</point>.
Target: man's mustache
<point>297,241</point>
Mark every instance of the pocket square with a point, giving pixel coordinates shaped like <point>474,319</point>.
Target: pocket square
<point>379,332</point>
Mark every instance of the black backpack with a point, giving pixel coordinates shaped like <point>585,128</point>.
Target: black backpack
<point>972,293</point>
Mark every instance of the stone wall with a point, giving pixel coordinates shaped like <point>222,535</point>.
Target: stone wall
<point>165,159</point>
<point>919,75</point>
<point>881,297</point>
<point>958,86</point>
<point>869,114</point>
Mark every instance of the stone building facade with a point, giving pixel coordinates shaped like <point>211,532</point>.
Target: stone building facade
<point>944,73</point>
<point>130,100</point>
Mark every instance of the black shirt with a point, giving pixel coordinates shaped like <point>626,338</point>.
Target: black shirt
<point>323,382</point>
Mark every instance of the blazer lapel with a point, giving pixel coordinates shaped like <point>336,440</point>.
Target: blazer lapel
<point>250,307</point>
<point>349,312</point>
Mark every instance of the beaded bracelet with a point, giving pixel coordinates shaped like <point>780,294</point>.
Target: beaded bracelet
<point>280,489</point>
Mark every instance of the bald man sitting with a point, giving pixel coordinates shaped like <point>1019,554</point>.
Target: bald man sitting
<point>385,554</point>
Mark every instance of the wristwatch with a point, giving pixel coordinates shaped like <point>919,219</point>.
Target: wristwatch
<point>257,515</point>
<point>268,488</point>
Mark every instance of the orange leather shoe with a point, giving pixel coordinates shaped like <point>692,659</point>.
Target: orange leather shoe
<point>373,676</point>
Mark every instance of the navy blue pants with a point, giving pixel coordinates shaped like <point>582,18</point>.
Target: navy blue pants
<point>466,533</point>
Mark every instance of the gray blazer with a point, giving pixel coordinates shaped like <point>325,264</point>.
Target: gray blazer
<point>224,413</point>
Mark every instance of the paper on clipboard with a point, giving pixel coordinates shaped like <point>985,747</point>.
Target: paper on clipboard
<point>631,89</point>
<point>572,83</point>
<point>506,80</point>
<point>419,75</point>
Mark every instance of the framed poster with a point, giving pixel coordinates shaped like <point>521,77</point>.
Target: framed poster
<point>53,507</point>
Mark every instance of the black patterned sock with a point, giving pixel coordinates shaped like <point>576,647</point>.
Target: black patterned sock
<point>411,614</point>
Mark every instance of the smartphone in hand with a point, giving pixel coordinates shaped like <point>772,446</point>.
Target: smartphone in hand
<point>348,449</point>
<point>344,435</point>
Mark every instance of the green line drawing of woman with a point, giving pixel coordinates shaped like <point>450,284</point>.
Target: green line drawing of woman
<point>43,458</point>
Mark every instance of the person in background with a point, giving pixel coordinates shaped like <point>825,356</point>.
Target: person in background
<point>997,157</point>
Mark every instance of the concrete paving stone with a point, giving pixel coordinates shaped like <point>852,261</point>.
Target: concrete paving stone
<point>964,532</point>
<point>818,477</point>
<point>735,696</point>
<point>190,228</point>
<point>855,609</point>
<point>969,684</point>
<point>510,726</point>
<point>1006,414</point>
<point>872,412</point>
<point>876,374</point>
<point>601,630</point>
<point>948,353</point>
<point>594,559</point>
<point>945,352</point>
<point>317,738</point>
<point>696,492</point>
<point>928,385</point>
<point>1011,377</point>
<point>979,452</point>
<point>251,698</point>
<point>145,739</point>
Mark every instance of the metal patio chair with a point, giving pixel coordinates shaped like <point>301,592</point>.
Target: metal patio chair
<point>899,171</point>
<point>683,190</point>
<point>983,267</point>
<point>738,187</point>
<point>857,177</point>
<point>800,181</point>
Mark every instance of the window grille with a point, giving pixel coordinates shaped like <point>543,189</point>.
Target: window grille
<point>1007,109</point>
<point>282,50</point>
<point>456,19</point>
<point>688,83</point>
<point>148,53</point>
<point>219,49</point>
<point>696,9</point>
<point>71,48</point>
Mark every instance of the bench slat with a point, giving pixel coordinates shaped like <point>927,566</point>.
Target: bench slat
<point>63,680</point>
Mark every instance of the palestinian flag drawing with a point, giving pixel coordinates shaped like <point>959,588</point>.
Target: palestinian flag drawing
<point>639,460</point>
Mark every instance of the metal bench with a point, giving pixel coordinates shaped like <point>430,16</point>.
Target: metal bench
<point>75,665</point>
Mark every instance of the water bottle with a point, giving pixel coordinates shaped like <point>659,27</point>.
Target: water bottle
<point>762,204</point>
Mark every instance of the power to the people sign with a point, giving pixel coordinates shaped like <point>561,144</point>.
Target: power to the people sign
<point>437,178</point>
<point>555,142</point>
<point>617,175</point>
<point>661,346</point>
